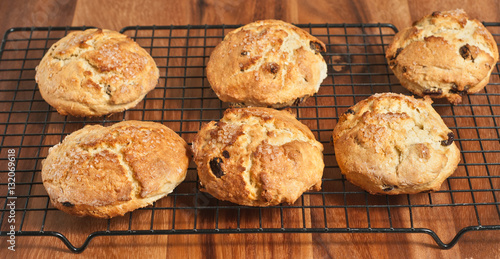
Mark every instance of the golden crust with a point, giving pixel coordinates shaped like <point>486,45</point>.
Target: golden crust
<point>267,63</point>
<point>443,55</point>
<point>258,157</point>
<point>394,144</point>
<point>108,171</point>
<point>95,72</point>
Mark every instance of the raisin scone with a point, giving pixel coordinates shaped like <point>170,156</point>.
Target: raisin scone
<point>395,144</point>
<point>95,72</point>
<point>258,157</point>
<point>108,171</point>
<point>443,55</point>
<point>267,63</point>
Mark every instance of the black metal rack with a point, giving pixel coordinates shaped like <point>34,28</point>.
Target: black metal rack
<point>183,101</point>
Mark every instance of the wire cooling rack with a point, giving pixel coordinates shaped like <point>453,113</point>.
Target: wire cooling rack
<point>184,101</point>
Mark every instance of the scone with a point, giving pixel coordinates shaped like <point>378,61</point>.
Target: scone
<point>95,72</point>
<point>394,144</point>
<point>443,55</point>
<point>258,157</point>
<point>108,171</point>
<point>267,63</point>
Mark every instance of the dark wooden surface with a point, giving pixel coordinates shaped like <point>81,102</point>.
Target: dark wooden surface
<point>118,14</point>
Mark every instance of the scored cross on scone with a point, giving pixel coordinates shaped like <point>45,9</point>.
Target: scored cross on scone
<point>108,171</point>
<point>267,63</point>
<point>394,144</point>
<point>95,72</point>
<point>258,157</point>
<point>443,55</point>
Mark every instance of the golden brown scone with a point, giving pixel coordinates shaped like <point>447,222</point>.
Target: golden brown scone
<point>394,144</point>
<point>267,63</point>
<point>258,157</point>
<point>95,72</point>
<point>443,55</point>
<point>108,171</point>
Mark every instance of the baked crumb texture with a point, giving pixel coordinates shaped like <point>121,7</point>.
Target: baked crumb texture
<point>267,63</point>
<point>394,144</point>
<point>107,171</point>
<point>258,157</point>
<point>443,55</point>
<point>95,72</point>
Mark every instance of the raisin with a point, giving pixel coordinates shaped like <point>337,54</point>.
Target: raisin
<point>436,13</point>
<point>215,166</point>
<point>349,111</point>
<point>298,101</point>
<point>316,47</point>
<point>404,69</point>
<point>433,91</point>
<point>225,154</point>
<point>454,89</point>
<point>108,90</point>
<point>244,53</point>
<point>465,52</point>
<point>68,204</point>
<point>273,67</point>
<point>388,188</point>
<point>448,141</point>
<point>397,53</point>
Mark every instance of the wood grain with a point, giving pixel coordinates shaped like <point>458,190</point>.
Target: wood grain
<point>118,14</point>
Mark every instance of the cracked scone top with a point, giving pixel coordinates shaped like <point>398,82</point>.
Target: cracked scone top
<point>109,171</point>
<point>258,157</point>
<point>267,63</point>
<point>443,55</point>
<point>95,72</point>
<point>394,144</point>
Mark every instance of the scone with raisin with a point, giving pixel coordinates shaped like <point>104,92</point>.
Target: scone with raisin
<point>267,63</point>
<point>258,157</point>
<point>108,171</point>
<point>95,72</point>
<point>394,144</point>
<point>443,55</point>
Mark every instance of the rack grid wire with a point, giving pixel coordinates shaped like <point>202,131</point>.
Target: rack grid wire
<point>183,101</point>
